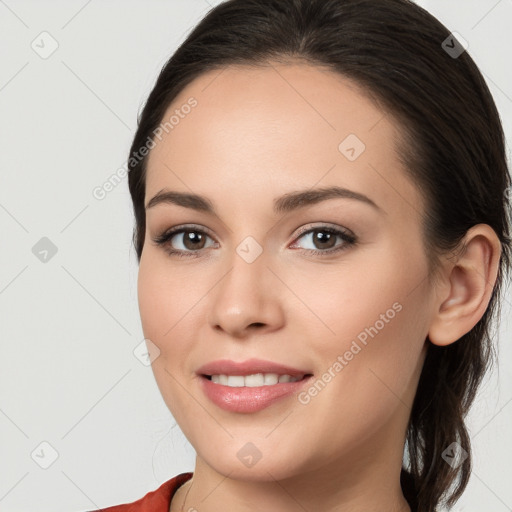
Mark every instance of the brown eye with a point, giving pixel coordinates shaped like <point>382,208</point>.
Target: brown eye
<point>323,239</point>
<point>193,240</point>
<point>183,241</point>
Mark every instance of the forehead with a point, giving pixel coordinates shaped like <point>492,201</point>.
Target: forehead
<point>275,127</point>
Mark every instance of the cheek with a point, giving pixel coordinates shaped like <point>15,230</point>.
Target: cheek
<point>362,296</point>
<point>366,385</point>
<point>164,295</point>
<point>166,305</point>
<point>376,321</point>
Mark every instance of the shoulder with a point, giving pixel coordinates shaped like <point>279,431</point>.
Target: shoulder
<point>158,500</point>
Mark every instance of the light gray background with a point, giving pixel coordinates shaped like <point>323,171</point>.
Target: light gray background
<point>68,374</point>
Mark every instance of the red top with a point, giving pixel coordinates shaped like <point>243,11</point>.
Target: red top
<point>158,500</point>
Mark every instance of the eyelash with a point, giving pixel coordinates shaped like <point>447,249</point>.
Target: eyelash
<point>164,239</point>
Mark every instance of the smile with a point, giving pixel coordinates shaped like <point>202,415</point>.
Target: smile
<point>253,380</point>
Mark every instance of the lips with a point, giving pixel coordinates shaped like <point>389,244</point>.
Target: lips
<point>249,399</point>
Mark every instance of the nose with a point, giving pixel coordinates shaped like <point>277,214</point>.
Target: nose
<point>248,299</point>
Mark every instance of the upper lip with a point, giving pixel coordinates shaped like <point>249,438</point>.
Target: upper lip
<point>249,367</point>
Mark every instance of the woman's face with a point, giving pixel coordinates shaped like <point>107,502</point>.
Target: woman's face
<point>348,322</point>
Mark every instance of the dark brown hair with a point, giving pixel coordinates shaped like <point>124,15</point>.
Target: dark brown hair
<point>453,149</point>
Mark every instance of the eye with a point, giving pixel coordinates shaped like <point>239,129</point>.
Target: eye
<point>323,239</point>
<point>183,240</point>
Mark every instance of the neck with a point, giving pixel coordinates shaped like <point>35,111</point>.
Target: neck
<point>366,484</point>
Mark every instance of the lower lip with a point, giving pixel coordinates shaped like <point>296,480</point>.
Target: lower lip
<point>247,399</point>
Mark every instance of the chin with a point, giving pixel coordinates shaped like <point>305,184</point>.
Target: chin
<point>262,471</point>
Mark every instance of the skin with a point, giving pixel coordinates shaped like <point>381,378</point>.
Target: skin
<point>256,134</point>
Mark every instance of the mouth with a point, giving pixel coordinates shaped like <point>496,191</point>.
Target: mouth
<point>250,386</point>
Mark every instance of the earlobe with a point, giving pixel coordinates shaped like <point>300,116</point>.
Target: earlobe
<point>468,286</point>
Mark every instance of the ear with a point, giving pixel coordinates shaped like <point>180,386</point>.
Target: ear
<point>467,286</point>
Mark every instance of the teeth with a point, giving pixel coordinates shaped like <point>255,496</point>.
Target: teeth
<point>235,381</point>
<point>270,379</point>
<point>251,381</point>
<point>257,379</point>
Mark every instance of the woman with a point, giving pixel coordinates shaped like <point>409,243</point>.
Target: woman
<point>307,377</point>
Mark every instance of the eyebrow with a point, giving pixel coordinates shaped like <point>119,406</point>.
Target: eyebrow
<point>284,204</point>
